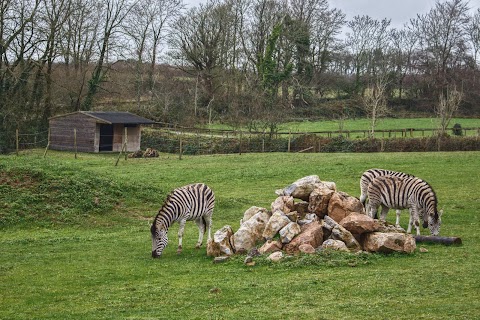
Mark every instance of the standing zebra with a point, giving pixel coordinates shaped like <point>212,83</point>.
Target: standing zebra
<point>367,178</point>
<point>402,193</point>
<point>187,203</point>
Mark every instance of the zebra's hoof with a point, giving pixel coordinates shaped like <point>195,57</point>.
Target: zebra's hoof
<point>179,250</point>
<point>198,246</point>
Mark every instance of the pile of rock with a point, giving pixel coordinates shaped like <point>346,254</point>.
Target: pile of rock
<point>324,218</point>
<point>148,153</point>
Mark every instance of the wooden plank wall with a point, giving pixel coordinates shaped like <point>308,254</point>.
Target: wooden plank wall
<point>62,133</point>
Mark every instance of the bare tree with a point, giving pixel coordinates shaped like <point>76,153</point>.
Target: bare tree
<point>448,104</point>
<point>441,35</point>
<point>366,41</point>
<point>375,102</point>
<point>113,15</point>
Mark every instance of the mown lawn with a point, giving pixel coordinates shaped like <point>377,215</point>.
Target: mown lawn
<point>89,258</point>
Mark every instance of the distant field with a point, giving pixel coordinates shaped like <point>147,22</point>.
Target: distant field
<point>364,124</point>
<point>75,241</point>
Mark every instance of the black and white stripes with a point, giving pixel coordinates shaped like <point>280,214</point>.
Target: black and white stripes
<point>191,202</point>
<point>394,192</point>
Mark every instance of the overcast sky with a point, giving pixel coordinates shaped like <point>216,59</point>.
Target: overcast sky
<point>399,11</point>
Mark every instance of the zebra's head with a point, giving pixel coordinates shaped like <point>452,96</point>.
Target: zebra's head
<point>434,223</point>
<point>159,240</point>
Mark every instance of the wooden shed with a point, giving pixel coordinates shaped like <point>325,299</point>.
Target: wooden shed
<point>96,131</point>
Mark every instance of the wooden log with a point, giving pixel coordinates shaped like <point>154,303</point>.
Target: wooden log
<point>448,241</point>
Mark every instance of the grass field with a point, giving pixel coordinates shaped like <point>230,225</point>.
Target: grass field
<point>364,124</point>
<point>75,242</point>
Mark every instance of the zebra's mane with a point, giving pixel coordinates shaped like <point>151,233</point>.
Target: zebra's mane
<point>161,214</point>
<point>435,200</point>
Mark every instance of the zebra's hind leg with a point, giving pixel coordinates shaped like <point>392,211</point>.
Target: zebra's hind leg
<point>201,231</point>
<point>181,229</point>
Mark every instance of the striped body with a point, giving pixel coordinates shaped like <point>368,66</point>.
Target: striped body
<point>411,193</point>
<point>367,178</point>
<point>192,202</point>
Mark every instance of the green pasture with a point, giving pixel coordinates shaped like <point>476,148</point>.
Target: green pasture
<point>75,243</point>
<point>365,124</point>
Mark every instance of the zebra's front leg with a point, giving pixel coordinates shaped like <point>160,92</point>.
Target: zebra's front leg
<point>414,220</point>
<point>397,222</point>
<point>383,213</point>
<point>201,231</point>
<point>180,235</point>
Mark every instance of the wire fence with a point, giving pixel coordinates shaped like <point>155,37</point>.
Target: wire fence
<point>194,141</point>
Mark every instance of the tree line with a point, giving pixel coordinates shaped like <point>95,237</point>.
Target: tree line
<point>244,62</point>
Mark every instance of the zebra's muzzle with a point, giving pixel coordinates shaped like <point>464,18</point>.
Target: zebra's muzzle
<point>155,254</point>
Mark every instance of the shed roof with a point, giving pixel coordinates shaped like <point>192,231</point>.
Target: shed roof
<point>113,117</point>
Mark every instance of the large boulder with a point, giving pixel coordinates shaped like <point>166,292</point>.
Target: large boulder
<point>341,205</point>
<point>220,244</point>
<point>283,203</point>
<point>389,242</point>
<point>251,231</point>
<point>337,245</point>
<point>358,223</point>
<point>277,221</point>
<point>270,246</point>
<point>311,234</point>
<point>250,212</point>
<point>319,199</point>
<point>340,233</point>
<point>301,188</point>
<point>289,232</point>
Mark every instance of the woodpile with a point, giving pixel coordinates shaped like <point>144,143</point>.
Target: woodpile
<point>308,216</point>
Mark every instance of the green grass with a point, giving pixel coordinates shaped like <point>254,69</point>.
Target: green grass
<point>95,262</point>
<point>364,124</point>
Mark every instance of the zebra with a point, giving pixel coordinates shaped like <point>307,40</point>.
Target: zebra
<point>187,203</point>
<point>367,178</point>
<point>401,193</point>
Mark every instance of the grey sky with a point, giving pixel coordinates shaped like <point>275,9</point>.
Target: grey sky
<point>399,11</point>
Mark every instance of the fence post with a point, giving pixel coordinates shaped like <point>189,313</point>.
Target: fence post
<point>48,143</point>
<point>17,142</point>
<point>180,149</point>
<point>289,139</point>
<point>263,141</point>
<point>75,141</point>
<point>126,142</point>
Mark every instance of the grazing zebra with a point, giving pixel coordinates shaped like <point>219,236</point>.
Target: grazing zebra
<point>191,202</point>
<point>402,193</point>
<point>367,178</point>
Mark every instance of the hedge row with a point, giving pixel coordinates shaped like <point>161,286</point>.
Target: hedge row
<point>201,144</point>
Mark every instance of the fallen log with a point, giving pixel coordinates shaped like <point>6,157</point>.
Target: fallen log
<point>448,241</point>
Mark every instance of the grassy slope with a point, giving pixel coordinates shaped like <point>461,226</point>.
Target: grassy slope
<point>100,266</point>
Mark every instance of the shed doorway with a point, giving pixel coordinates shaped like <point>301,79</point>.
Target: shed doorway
<point>106,137</point>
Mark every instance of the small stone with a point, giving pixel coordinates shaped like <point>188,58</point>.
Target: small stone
<point>248,259</point>
<point>306,248</point>
<point>250,264</point>
<point>423,250</point>
<point>276,256</point>
<point>220,259</point>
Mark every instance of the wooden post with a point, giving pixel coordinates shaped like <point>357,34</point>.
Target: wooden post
<point>17,142</point>
<point>289,139</point>
<point>240,143</point>
<point>75,141</point>
<point>263,141</point>
<point>180,149</point>
<point>126,142</point>
<point>48,143</point>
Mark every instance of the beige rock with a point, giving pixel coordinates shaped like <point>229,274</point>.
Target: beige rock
<point>283,203</point>
<point>250,212</point>
<point>389,242</point>
<point>340,233</point>
<point>270,246</point>
<point>306,248</point>
<point>277,221</point>
<point>288,232</point>
<point>334,245</point>
<point>276,256</point>
<point>220,244</point>
<point>358,223</point>
<point>319,199</point>
<point>250,232</point>
<point>311,234</point>
<point>341,205</point>
<point>301,188</point>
